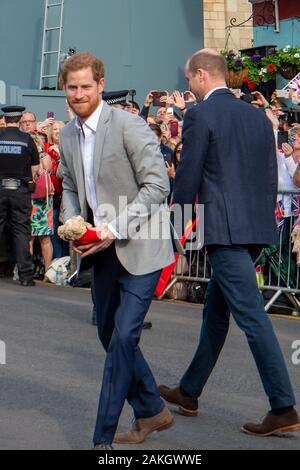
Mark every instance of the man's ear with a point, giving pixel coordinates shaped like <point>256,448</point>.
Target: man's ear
<point>101,85</point>
<point>201,74</point>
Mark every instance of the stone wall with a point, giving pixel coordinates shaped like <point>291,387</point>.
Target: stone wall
<point>217,15</point>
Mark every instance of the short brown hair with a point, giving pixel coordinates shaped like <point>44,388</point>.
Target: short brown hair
<point>83,60</point>
<point>209,60</point>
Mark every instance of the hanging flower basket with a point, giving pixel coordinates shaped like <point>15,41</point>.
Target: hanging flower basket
<point>288,71</point>
<point>255,70</point>
<point>235,79</point>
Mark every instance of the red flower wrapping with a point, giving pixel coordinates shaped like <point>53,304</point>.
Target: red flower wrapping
<point>90,236</point>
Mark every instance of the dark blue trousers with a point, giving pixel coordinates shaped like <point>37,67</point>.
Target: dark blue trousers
<point>60,247</point>
<point>233,288</point>
<point>122,301</point>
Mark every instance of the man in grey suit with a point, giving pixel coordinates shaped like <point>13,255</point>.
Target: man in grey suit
<point>113,169</point>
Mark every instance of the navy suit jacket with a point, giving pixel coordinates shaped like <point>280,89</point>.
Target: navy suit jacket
<point>229,161</point>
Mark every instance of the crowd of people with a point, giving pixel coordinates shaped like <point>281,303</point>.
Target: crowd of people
<point>45,214</point>
<point>164,112</point>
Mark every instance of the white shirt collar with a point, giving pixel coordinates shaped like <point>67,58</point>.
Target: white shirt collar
<point>214,89</point>
<point>92,121</point>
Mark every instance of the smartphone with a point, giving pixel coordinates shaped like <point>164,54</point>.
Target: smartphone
<point>156,98</point>
<point>174,128</point>
<point>167,158</point>
<point>186,95</point>
<point>50,114</point>
<point>248,98</point>
<point>283,138</point>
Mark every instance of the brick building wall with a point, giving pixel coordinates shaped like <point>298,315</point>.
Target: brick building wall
<point>217,15</point>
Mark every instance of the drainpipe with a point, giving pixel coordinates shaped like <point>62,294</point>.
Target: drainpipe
<point>277,23</point>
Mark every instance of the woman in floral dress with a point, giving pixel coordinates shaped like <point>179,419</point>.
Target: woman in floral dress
<point>42,210</point>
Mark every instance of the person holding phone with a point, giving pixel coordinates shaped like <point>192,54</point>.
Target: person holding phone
<point>288,158</point>
<point>153,98</point>
<point>286,169</point>
<point>147,104</point>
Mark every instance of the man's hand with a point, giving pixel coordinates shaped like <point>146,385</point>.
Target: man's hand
<point>287,150</point>
<point>92,248</point>
<point>179,100</point>
<point>107,239</point>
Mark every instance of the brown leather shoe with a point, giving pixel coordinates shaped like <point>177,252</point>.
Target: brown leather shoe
<point>273,424</point>
<point>187,406</point>
<point>144,426</point>
<point>103,447</point>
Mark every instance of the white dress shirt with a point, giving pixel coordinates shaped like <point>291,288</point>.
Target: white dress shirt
<point>87,144</point>
<point>214,89</point>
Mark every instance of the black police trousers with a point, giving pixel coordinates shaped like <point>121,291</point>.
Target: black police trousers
<point>15,209</point>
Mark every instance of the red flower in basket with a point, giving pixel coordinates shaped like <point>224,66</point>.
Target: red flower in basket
<point>245,79</point>
<point>251,85</point>
<point>271,68</point>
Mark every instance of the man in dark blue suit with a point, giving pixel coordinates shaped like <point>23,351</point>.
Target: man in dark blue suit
<point>229,161</point>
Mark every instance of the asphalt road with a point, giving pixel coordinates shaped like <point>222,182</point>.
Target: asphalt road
<point>50,382</point>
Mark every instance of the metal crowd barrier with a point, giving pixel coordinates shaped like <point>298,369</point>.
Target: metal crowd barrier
<point>280,276</point>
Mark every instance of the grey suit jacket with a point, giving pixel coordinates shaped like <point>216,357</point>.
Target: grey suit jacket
<point>131,186</point>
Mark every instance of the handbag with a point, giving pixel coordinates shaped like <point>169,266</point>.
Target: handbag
<point>63,263</point>
<point>43,186</point>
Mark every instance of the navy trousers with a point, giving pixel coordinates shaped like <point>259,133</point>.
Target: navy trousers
<point>122,301</point>
<point>233,288</point>
<point>15,208</point>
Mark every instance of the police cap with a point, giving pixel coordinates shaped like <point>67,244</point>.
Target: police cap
<point>13,111</point>
<point>115,97</point>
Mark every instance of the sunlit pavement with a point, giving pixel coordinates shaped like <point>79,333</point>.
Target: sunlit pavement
<point>50,382</point>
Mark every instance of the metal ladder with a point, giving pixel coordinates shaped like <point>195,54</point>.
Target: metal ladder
<point>49,67</point>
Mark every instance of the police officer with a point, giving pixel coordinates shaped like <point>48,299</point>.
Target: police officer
<point>19,161</point>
